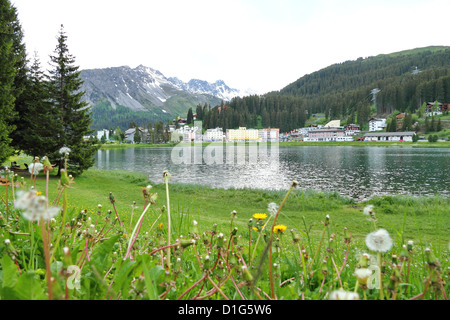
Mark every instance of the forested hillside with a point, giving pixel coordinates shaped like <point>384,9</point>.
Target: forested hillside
<point>405,81</point>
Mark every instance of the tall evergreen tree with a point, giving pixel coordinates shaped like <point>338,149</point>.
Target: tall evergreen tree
<point>12,56</point>
<point>72,113</point>
<point>34,132</point>
<point>190,116</point>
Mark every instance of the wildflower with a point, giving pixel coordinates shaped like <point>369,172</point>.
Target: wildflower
<point>47,165</point>
<point>195,227</point>
<point>409,246</point>
<point>34,206</point>
<point>260,216</point>
<point>272,208</point>
<point>363,261</point>
<point>279,228</point>
<point>35,167</point>
<point>65,181</point>
<point>166,175</point>
<point>341,294</point>
<point>379,241</point>
<point>363,275</point>
<point>64,151</point>
<point>368,210</point>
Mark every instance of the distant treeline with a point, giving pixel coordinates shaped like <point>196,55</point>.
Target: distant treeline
<point>275,111</point>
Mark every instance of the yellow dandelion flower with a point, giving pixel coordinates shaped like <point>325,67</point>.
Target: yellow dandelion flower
<point>160,226</point>
<point>279,228</point>
<point>255,228</point>
<point>38,193</point>
<point>260,216</point>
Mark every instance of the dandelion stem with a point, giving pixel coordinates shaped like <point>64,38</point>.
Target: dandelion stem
<point>168,220</point>
<point>62,224</point>
<point>47,260</point>
<point>381,277</point>
<point>137,227</point>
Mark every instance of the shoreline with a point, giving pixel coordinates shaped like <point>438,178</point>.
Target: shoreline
<point>424,144</point>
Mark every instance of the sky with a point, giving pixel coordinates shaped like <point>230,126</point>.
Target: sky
<point>262,45</point>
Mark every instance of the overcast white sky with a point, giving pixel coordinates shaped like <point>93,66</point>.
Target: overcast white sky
<point>259,44</point>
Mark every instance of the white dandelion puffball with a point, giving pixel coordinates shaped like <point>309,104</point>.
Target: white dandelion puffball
<point>35,167</point>
<point>341,294</point>
<point>272,208</point>
<point>34,206</point>
<point>64,150</point>
<point>368,209</point>
<point>363,275</point>
<point>379,241</point>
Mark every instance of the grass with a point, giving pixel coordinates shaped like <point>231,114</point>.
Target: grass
<point>234,267</point>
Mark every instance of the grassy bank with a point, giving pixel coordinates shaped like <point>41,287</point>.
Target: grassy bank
<point>208,243</point>
<point>414,216</point>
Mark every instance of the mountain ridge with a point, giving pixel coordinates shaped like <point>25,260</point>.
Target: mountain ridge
<point>146,90</point>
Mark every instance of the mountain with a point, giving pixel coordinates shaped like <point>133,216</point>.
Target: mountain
<point>145,94</point>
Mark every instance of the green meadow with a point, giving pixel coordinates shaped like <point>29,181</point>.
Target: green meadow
<point>211,245</point>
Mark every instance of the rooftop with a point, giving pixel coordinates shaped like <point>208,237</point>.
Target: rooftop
<point>390,134</point>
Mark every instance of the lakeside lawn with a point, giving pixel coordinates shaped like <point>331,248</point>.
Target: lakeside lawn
<point>323,232</point>
<point>422,219</point>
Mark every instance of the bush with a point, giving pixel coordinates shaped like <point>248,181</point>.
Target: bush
<point>432,138</point>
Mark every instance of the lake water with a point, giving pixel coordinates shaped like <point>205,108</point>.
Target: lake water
<point>357,172</point>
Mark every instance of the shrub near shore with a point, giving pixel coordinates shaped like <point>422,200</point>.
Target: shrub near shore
<point>318,242</point>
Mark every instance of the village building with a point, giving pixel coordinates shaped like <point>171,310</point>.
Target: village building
<point>377,124</point>
<point>213,135</point>
<point>389,136</point>
<point>328,134</point>
<point>103,133</point>
<point>269,135</point>
<point>436,108</point>
<point>187,134</point>
<point>242,135</point>
<point>352,129</point>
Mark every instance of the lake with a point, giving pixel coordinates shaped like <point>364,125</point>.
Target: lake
<point>357,172</point>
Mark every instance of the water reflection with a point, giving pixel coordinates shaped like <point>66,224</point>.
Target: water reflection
<point>358,172</point>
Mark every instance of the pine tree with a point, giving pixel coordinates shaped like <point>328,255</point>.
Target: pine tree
<point>72,113</point>
<point>34,132</point>
<point>11,55</point>
<point>190,116</point>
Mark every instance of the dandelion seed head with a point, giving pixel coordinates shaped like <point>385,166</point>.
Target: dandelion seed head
<point>363,274</point>
<point>64,151</point>
<point>272,208</point>
<point>379,241</point>
<point>341,294</point>
<point>34,206</point>
<point>368,210</point>
<point>35,167</point>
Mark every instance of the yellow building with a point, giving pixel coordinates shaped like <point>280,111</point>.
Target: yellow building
<point>242,135</point>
